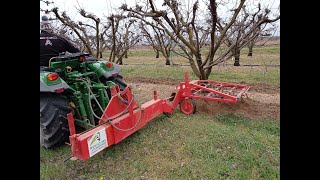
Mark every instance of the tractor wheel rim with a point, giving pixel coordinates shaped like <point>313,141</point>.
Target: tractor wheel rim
<point>186,107</point>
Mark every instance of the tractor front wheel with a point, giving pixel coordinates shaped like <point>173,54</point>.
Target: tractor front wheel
<point>54,130</point>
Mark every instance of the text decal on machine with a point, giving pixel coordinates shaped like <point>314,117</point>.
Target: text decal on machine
<point>97,142</point>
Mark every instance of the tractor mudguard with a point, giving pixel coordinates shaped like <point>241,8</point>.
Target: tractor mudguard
<point>105,68</point>
<point>54,86</point>
<point>115,72</point>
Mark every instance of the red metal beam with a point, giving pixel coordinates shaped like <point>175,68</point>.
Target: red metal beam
<point>92,141</point>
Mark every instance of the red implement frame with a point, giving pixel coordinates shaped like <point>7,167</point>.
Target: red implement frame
<point>128,117</point>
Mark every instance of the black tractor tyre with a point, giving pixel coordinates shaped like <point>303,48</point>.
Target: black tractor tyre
<point>119,81</point>
<point>54,129</point>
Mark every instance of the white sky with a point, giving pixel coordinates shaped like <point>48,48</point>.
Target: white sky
<point>103,8</point>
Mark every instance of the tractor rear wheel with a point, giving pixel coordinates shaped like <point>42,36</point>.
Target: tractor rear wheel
<point>119,81</point>
<point>54,129</point>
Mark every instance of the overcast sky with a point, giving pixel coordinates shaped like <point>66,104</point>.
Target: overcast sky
<point>103,8</point>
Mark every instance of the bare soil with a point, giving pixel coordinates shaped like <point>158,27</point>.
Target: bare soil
<point>262,101</point>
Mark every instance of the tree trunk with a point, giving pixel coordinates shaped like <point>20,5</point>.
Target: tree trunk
<point>119,61</point>
<point>167,61</point>
<point>237,58</point>
<point>157,54</point>
<point>113,50</point>
<point>100,54</point>
<point>126,55</point>
<point>112,56</point>
<point>208,72</point>
<point>203,74</point>
<point>250,49</point>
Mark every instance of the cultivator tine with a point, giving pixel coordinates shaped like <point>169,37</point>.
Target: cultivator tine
<point>155,95</point>
<point>67,159</point>
<point>198,91</point>
<point>219,87</point>
<point>241,93</point>
<point>212,90</point>
<point>229,92</point>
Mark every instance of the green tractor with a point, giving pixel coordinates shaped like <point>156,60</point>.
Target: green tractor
<point>74,82</point>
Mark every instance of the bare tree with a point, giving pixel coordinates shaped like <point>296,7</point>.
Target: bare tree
<point>183,29</point>
<point>265,35</point>
<point>245,30</point>
<point>187,29</point>
<point>158,40</point>
<point>122,38</point>
<point>85,32</point>
<point>68,34</point>
<point>116,35</point>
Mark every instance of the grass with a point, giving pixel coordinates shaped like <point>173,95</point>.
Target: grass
<point>271,49</point>
<point>199,146</point>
